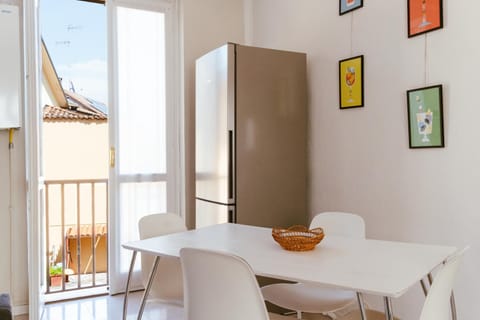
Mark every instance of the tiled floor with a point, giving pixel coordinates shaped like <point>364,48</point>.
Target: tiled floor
<point>109,308</point>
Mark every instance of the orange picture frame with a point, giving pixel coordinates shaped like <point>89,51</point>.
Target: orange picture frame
<point>424,16</point>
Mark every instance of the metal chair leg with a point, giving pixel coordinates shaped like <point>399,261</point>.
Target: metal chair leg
<point>424,287</point>
<point>388,308</point>
<point>361,306</point>
<point>125,298</point>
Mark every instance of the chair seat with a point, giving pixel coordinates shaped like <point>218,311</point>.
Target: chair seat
<point>307,298</point>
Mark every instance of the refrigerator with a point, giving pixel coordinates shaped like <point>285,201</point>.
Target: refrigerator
<point>251,137</point>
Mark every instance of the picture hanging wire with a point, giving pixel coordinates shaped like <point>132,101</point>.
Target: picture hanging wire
<point>425,57</point>
<point>351,34</point>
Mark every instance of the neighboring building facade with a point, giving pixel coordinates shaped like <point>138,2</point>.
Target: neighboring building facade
<point>75,142</point>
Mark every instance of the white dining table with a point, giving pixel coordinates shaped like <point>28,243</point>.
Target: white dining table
<point>383,268</point>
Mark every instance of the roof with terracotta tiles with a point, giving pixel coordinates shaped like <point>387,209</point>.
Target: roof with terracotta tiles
<point>79,109</point>
<point>57,113</point>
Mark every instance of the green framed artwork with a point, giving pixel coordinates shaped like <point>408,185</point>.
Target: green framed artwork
<point>425,117</point>
<point>350,82</point>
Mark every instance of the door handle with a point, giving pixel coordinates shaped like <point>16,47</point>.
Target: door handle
<point>112,157</point>
<point>230,164</point>
<point>231,216</point>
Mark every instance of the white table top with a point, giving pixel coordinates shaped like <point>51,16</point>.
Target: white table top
<point>377,267</point>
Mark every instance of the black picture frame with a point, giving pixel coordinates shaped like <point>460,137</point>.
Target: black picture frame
<point>424,16</point>
<point>425,117</point>
<point>346,6</point>
<point>351,95</point>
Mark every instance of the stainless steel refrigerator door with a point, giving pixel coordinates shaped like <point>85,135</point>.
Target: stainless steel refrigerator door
<point>215,135</point>
<point>209,213</point>
<point>271,137</point>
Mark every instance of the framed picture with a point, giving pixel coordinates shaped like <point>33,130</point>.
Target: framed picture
<point>349,5</point>
<point>425,117</point>
<point>351,82</point>
<point>424,16</point>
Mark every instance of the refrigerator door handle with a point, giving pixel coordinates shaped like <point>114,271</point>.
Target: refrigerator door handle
<point>230,165</point>
<point>232,218</point>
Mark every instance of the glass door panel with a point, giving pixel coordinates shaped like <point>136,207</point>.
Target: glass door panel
<point>139,179</point>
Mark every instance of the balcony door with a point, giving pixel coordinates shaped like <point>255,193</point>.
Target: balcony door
<point>144,123</point>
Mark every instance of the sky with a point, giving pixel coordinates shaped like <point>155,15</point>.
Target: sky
<point>75,33</point>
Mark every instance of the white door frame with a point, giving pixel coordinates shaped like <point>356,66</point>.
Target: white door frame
<point>32,72</point>
<point>174,116</point>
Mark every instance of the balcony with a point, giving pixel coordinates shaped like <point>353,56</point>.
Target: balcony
<point>76,234</point>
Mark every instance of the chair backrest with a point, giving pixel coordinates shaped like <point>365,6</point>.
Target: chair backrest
<point>168,283</point>
<point>220,286</point>
<point>158,224</point>
<point>340,224</point>
<point>437,303</point>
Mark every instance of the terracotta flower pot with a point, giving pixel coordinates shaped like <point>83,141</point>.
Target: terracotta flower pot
<point>55,281</point>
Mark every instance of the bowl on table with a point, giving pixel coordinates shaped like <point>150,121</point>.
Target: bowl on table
<point>298,238</point>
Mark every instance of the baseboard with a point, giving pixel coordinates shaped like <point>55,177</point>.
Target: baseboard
<point>18,310</point>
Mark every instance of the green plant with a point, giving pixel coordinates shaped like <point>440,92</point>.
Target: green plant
<point>56,270</point>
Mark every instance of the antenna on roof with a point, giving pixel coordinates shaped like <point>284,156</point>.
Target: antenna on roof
<point>63,43</point>
<point>72,87</point>
<point>71,27</point>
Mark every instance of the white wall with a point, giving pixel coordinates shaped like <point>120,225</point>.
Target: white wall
<point>206,25</point>
<point>360,160</point>
<point>13,258</point>
<point>17,217</point>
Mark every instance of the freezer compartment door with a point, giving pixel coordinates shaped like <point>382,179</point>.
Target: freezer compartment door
<point>214,145</point>
<point>209,213</point>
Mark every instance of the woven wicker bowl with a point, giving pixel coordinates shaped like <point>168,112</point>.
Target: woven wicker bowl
<point>298,238</point>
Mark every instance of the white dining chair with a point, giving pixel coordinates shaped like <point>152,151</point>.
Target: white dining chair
<point>302,297</point>
<point>437,303</point>
<point>221,286</point>
<point>167,285</point>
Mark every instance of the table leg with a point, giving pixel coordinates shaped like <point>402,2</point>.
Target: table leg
<point>149,285</point>
<point>361,305</point>
<point>388,308</point>
<point>125,298</point>
<point>453,306</point>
